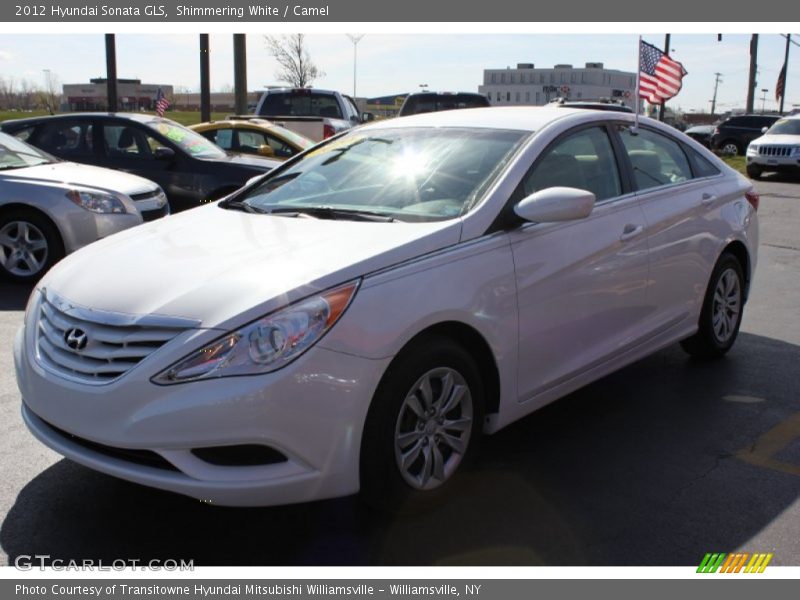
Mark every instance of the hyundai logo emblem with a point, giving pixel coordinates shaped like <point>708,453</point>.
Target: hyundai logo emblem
<point>76,339</point>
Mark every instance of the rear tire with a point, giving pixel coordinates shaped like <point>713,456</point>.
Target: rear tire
<point>730,148</point>
<point>29,245</point>
<point>722,311</point>
<point>422,427</point>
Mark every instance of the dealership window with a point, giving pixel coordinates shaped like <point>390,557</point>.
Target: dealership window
<point>508,96</point>
<point>541,77</point>
<point>573,77</point>
<point>552,77</point>
<point>494,77</point>
<point>527,96</point>
<point>511,77</point>
<point>502,77</point>
<point>516,97</point>
<point>538,98</point>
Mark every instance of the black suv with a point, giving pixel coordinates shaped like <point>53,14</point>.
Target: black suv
<point>188,167</point>
<point>422,102</point>
<point>733,135</point>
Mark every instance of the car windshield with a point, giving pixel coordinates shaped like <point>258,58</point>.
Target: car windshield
<point>16,154</point>
<point>785,127</point>
<point>189,141</point>
<point>407,174</point>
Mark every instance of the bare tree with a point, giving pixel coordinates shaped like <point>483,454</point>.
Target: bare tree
<point>50,96</point>
<point>294,61</point>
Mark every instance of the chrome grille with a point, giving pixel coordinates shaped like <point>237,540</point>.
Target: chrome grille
<point>775,150</point>
<point>112,343</point>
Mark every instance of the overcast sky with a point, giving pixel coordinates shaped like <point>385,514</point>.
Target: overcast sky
<point>392,64</point>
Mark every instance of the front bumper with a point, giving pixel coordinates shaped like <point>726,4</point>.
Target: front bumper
<point>775,163</point>
<point>312,412</point>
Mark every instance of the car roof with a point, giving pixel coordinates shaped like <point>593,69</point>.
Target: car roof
<point>522,118</point>
<point>138,117</point>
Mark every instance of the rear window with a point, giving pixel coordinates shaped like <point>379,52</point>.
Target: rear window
<point>301,104</point>
<point>436,102</point>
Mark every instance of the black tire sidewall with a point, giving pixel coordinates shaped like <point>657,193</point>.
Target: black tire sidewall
<point>382,484</point>
<point>726,261</point>
<point>55,247</point>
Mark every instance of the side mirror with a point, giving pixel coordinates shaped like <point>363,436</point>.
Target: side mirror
<point>163,153</point>
<point>266,150</point>
<point>367,117</point>
<point>764,129</point>
<point>555,204</point>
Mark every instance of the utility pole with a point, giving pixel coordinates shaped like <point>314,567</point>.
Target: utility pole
<point>662,109</point>
<point>111,72</point>
<point>751,82</point>
<point>714,99</point>
<point>785,70</point>
<point>205,80</point>
<point>240,73</point>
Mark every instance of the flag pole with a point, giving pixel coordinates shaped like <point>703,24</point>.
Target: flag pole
<point>637,99</point>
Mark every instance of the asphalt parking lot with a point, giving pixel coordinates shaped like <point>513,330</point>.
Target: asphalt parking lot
<point>654,465</point>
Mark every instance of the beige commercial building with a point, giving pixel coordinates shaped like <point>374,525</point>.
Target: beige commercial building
<point>527,85</point>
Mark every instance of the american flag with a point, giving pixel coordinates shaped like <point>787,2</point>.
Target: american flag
<point>660,77</point>
<point>781,83</point>
<point>161,103</point>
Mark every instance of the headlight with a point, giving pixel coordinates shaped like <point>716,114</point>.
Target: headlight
<point>267,344</point>
<point>752,150</point>
<point>97,202</point>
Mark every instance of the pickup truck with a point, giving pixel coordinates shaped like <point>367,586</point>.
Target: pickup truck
<point>316,114</point>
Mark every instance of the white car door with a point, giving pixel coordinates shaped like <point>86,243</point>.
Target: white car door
<point>581,284</point>
<point>676,207</point>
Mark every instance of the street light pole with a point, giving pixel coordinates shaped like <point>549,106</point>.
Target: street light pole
<point>355,38</point>
<point>763,99</point>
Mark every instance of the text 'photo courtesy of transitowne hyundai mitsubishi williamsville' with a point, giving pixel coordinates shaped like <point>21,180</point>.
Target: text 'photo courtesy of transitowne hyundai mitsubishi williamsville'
<point>353,320</point>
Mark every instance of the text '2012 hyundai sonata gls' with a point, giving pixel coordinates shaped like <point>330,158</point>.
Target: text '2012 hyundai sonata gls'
<point>355,319</point>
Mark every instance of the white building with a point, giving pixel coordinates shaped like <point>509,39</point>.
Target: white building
<point>528,85</point>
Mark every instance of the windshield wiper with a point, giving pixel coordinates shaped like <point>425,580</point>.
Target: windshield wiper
<point>244,207</point>
<point>329,212</point>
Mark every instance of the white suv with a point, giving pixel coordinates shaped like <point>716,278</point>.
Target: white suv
<point>777,150</point>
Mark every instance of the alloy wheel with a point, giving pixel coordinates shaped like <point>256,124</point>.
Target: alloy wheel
<point>23,248</point>
<point>727,304</point>
<point>433,428</point>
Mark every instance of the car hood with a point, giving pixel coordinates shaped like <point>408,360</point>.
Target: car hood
<point>777,140</point>
<point>73,174</point>
<point>225,267</point>
<point>248,160</point>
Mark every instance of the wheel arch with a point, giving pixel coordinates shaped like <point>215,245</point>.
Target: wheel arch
<point>739,250</point>
<point>12,206</point>
<point>473,342</point>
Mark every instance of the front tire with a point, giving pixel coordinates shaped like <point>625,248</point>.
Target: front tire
<point>29,245</point>
<point>422,426</point>
<point>721,315</point>
<point>754,171</point>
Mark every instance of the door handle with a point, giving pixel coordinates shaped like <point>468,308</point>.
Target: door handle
<point>708,199</point>
<point>630,232</point>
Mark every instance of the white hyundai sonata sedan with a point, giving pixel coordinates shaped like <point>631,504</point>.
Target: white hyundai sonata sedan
<point>355,319</point>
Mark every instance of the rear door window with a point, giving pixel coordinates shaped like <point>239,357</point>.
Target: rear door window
<point>656,160</point>
<point>66,138</point>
